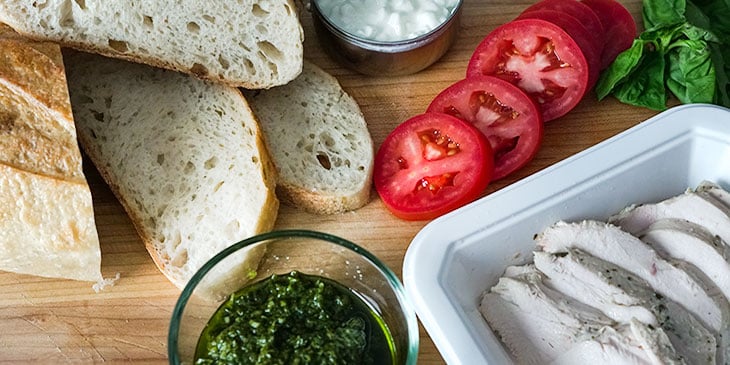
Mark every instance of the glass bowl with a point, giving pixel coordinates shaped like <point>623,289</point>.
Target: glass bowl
<point>281,252</point>
<point>385,58</point>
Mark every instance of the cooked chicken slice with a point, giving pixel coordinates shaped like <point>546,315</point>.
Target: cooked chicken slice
<point>683,240</point>
<point>611,244</point>
<point>609,349</point>
<point>538,324</point>
<point>517,271</point>
<point>723,334</point>
<point>596,283</point>
<point>691,206</point>
<point>533,325</point>
<point>715,191</point>
<point>656,344</point>
<point>625,298</point>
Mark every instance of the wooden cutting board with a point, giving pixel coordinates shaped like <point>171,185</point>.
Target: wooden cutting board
<point>58,321</point>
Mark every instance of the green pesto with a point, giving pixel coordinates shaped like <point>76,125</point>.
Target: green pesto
<point>295,319</point>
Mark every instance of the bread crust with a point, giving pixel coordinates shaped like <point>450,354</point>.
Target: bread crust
<point>261,59</point>
<point>50,229</point>
<point>316,202</point>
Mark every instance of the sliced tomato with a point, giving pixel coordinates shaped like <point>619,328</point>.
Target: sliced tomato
<point>509,118</point>
<point>540,58</point>
<point>579,11</point>
<point>618,25</point>
<point>431,164</point>
<point>591,49</point>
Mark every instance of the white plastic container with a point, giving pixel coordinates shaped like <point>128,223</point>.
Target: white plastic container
<point>458,256</point>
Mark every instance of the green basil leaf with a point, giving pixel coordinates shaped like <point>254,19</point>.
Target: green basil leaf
<point>713,15</point>
<point>657,13</point>
<point>624,64</point>
<point>691,76</point>
<point>696,16</point>
<point>645,87</point>
<point>721,59</point>
<point>662,37</point>
<point>692,32</point>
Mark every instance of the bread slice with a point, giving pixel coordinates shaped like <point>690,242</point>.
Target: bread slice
<point>47,225</point>
<point>248,43</point>
<point>185,158</point>
<point>319,142</point>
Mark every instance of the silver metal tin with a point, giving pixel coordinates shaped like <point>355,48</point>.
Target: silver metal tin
<point>385,58</point>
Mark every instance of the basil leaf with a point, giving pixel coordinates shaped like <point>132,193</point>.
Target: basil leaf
<point>662,37</point>
<point>693,32</point>
<point>696,16</point>
<point>721,59</point>
<point>713,15</point>
<point>684,49</point>
<point>624,64</point>
<point>657,13</point>
<point>645,87</point>
<point>691,76</point>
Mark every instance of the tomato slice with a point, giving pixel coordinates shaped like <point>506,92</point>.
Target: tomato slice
<point>590,48</point>
<point>431,164</point>
<point>509,118</point>
<point>619,27</point>
<point>540,58</point>
<point>581,12</point>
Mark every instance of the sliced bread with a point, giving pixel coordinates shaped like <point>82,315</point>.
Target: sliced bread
<point>319,142</point>
<point>248,43</point>
<point>47,225</point>
<point>185,158</point>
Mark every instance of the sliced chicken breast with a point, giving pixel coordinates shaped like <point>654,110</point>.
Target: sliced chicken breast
<point>539,325</point>
<point>625,298</point>
<point>611,244</point>
<point>683,240</point>
<point>609,348</point>
<point>691,206</point>
<point>656,344</point>
<point>596,283</point>
<point>715,191</point>
<point>723,334</point>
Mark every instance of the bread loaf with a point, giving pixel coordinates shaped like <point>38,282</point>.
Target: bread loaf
<point>47,225</point>
<point>319,142</point>
<point>248,43</point>
<point>184,157</point>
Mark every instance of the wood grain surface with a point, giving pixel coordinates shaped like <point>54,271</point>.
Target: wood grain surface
<point>58,321</point>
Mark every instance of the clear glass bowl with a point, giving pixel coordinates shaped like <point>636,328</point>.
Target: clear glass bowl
<point>282,252</point>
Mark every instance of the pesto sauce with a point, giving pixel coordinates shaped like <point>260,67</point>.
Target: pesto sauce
<point>295,319</point>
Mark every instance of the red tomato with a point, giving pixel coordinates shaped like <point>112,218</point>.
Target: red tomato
<point>540,58</point>
<point>504,113</point>
<point>577,10</point>
<point>591,49</point>
<point>431,164</point>
<point>618,25</point>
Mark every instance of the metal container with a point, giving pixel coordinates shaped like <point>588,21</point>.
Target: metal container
<point>382,58</point>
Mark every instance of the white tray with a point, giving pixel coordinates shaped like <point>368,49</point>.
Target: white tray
<point>455,258</point>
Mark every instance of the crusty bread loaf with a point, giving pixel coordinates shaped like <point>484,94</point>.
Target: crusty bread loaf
<point>248,43</point>
<point>319,142</point>
<point>47,225</point>
<point>185,158</point>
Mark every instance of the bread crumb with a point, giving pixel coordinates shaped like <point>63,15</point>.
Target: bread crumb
<point>103,283</point>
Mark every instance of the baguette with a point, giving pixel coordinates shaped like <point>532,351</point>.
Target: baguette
<point>47,225</point>
<point>185,158</point>
<point>319,142</point>
<point>248,43</point>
